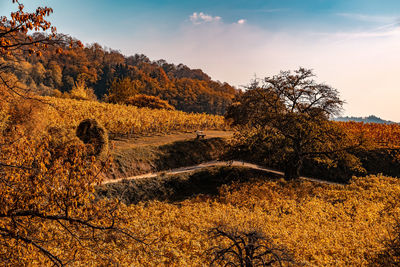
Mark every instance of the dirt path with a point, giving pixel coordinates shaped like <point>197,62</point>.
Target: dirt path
<point>158,140</point>
<point>212,164</point>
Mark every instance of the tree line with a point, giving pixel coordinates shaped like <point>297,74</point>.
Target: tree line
<point>97,68</point>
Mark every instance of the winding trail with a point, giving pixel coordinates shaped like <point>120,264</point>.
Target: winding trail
<point>211,164</point>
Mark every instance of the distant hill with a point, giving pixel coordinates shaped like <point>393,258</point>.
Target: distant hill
<point>369,119</point>
<point>187,89</point>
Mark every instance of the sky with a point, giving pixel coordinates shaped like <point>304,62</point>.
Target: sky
<point>352,45</point>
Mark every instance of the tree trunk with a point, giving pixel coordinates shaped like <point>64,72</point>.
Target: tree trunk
<point>292,167</point>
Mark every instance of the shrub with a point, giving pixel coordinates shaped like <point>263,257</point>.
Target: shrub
<point>81,92</point>
<point>91,132</point>
<point>147,101</point>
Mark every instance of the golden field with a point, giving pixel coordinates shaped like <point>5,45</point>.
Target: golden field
<point>321,224</point>
<point>126,120</point>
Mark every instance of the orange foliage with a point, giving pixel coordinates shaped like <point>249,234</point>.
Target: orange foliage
<point>148,101</point>
<point>381,135</point>
<point>46,201</point>
<point>13,30</point>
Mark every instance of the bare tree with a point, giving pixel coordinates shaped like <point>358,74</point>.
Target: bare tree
<point>246,249</point>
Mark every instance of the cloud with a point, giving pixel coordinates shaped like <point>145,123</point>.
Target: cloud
<point>385,31</point>
<point>368,18</point>
<point>241,21</point>
<point>200,18</point>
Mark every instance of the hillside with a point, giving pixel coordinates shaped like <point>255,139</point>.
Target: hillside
<point>189,90</point>
<point>141,155</point>
<point>369,119</point>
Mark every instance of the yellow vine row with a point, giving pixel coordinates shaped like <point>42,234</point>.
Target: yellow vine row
<point>123,119</point>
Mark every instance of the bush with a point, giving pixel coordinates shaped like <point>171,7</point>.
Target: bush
<point>91,132</point>
<point>147,101</point>
<point>81,92</point>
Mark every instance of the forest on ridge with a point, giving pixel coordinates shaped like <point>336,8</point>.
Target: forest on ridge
<point>52,73</point>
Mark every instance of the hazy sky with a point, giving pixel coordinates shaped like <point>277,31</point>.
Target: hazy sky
<point>352,45</point>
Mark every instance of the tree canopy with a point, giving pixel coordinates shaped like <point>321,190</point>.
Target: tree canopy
<point>122,89</point>
<point>286,119</point>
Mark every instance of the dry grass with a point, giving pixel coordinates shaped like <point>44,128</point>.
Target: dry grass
<point>162,139</point>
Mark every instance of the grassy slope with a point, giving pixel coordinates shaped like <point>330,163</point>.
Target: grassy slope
<point>323,225</point>
<point>163,139</point>
<point>157,153</point>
